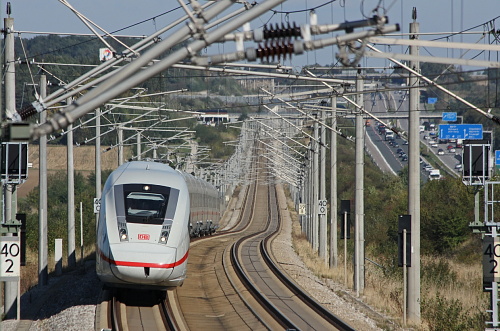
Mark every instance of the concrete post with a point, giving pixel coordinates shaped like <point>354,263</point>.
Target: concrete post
<point>359,245</point>
<point>97,156</point>
<point>323,252</point>
<point>315,187</point>
<point>71,195</point>
<point>9,197</point>
<point>414,181</point>
<point>42,209</point>
<point>333,188</point>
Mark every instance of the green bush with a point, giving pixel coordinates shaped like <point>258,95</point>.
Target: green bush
<point>438,273</point>
<point>441,314</point>
<point>57,223</point>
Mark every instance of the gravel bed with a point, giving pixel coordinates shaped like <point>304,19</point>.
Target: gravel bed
<point>68,302</point>
<point>347,307</point>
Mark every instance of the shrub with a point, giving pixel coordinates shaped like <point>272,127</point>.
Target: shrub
<point>449,315</point>
<point>438,273</point>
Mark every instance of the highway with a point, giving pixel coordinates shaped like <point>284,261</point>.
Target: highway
<point>397,102</point>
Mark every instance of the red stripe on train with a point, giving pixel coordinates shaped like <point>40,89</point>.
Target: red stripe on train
<point>144,264</point>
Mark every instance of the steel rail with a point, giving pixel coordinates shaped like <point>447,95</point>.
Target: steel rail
<point>297,290</point>
<point>264,302</point>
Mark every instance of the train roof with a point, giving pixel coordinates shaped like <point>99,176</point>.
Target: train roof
<point>146,172</point>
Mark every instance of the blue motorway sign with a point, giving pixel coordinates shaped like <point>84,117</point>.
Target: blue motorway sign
<point>461,131</point>
<point>450,117</point>
<point>497,157</point>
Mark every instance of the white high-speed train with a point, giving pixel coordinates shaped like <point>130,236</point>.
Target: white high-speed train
<point>148,212</point>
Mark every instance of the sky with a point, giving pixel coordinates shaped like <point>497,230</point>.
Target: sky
<point>112,15</point>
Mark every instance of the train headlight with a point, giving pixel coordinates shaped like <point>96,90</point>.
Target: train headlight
<point>163,237</point>
<point>122,231</point>
<point>165,231</point>
<point>123,235</point>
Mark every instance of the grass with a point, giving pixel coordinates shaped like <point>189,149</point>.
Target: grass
<point>451,291</point>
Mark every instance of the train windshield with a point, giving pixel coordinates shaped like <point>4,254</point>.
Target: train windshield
<point>149,204</point>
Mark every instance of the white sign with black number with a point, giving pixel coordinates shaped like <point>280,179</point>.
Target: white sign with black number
<point>491,259</point>
<point>10,258</point>
<point>97,205</point>
<point>322,207</point>
<point>302,208</point>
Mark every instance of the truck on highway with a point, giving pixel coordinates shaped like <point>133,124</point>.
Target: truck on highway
<point>434,174</point>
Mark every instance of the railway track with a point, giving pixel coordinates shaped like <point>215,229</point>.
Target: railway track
<point>233,283</point>
<point>248,291</point>
<point>291,306</point>
<point>139,310</point>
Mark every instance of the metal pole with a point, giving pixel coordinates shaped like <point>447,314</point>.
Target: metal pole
<point>310,208</point>
<point>81,233</point>
<point>323,252</point>
<point>414,182</point>
<point>138,146</point>
<point>71,195</point>
<point>42,209</point>
<point>345,248</point>
<point>97,156</point>
<point>359,244</point>
<point>333,187</point>
<point>10,287</point>
<point>119,132</point>
<point>315,187</point>
<point>404,277</point>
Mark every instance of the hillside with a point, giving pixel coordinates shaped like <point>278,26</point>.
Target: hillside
<point>84,161</point>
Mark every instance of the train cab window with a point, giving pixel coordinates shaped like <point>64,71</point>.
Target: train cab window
<point>148,204</point>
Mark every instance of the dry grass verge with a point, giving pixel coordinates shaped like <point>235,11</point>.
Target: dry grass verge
<point>451,291</point>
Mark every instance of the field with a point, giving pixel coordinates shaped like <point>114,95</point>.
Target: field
<point>84,162</point>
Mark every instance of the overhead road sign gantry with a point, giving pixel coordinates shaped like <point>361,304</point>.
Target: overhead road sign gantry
<point>461,131</point>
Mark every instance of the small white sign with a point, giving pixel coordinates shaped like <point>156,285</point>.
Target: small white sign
<point>302,208</point>
<point>97,205</point>
<point>322,207</point>
<point>105,54</point>
<point>10,258</point>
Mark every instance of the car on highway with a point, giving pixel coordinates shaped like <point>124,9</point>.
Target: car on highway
<point>458,166</point>
<point>440,151</point>
<point>452,150</point>
<point>434,144</point>
<point>404,158</point>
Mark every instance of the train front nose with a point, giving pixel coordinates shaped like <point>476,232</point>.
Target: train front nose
<point>146,264</point>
